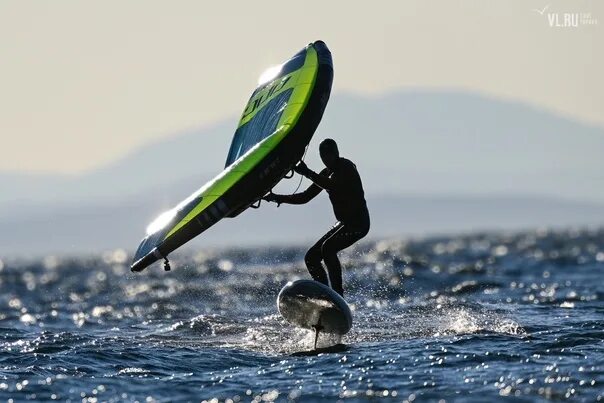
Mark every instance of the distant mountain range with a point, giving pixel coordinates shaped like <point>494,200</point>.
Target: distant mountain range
<point>471,159</point>
<point>96,227</point>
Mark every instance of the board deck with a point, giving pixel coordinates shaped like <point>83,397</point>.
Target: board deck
<point>312,305</point>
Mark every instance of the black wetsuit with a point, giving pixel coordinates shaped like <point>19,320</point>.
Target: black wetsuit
<point>348,200</point>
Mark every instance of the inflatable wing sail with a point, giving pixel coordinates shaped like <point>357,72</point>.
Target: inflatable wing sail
<point>276,125</point>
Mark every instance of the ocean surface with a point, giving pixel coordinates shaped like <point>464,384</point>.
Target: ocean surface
<point>476,317</point>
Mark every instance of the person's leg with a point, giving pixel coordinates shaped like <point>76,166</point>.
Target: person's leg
<point>313,257</point>
<point>341,239</point>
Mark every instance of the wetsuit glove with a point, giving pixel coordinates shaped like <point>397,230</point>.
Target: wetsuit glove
<point>271,197</point>
<point>302,169</point>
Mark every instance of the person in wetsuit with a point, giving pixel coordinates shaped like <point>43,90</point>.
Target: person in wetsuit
<point>342,182</point>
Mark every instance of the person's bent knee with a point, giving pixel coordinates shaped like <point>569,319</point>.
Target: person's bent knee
<point>327,253</point>
<point>313,256</point>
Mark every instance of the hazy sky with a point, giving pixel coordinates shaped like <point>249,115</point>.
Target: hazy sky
<point>82,83</point>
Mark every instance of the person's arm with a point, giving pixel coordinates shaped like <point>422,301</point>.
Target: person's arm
<point>297,198</point>
<point>322,179</point>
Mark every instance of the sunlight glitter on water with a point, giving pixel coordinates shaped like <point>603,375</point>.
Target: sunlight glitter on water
<point>477,316</point>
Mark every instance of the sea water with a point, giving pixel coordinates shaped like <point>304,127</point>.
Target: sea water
<point>476,317</point>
